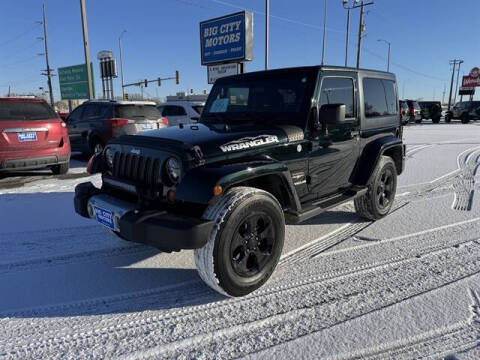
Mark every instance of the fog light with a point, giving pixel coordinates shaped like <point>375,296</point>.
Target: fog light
<point>217,190</point>
<point>171,196</point>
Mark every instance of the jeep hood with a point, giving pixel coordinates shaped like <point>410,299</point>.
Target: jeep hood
<point>215,141</point>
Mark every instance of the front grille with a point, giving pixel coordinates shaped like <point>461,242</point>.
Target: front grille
<point>142,170</point>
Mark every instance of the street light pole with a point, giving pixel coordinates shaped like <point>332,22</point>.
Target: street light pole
<point>388,59</point>
<point>86,49</point>
<point>267,27</point>
<point>324,31</point>
<point>121,62</point>
<point>348,34</point>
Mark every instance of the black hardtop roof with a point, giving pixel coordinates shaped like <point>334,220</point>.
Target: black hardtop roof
<point>313,68</point>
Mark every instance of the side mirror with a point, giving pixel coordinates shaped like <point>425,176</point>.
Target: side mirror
<point>332,114</point>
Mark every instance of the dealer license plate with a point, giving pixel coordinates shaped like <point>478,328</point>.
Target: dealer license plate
<point>104,217</point>
<point>27,136</point>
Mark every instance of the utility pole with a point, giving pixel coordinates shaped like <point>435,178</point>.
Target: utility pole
<point>49,71</point>
<point>121,62</point>
<point>324,31</point>
<point>456,87</point>
<point>453,62</point>
<point>361,29</point>
<point>267,28</point>
<point>443,95</point>
<point>86,49</point>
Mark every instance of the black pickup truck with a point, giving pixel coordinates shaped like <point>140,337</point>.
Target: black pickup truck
<point>271,148</point>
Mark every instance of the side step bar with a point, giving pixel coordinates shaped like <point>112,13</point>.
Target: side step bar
<point>323,205</point>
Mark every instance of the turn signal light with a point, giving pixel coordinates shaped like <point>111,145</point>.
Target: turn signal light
<point>90,165</point>
<point>171,196</point>
<point>217,190</point>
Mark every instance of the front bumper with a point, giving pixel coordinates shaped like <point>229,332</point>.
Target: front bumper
<point>165,231</point>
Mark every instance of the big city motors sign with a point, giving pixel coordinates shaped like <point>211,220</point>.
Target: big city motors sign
<point>227,39</point>
<point>473,79</point>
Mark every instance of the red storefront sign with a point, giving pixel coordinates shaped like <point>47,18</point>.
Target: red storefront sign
<point>473,79</point>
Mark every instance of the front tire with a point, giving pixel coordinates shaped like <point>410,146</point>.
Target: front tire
<point>378,200</point>
<point>245,244</point>
<point>465,119</point>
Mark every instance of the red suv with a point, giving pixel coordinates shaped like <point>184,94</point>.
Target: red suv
<point>32,136</point>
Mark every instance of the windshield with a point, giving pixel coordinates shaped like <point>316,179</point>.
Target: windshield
<point>272,97</point>
<point>25,110</point>
<point>138,112</point>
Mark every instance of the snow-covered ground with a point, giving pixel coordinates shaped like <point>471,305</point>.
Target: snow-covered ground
<point>407,286</point>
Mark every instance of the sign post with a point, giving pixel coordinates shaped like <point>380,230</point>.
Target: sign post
<point>74,82</point>
<point>226,40</point>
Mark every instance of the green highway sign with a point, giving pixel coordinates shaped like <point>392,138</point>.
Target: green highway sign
<point>73,82</point>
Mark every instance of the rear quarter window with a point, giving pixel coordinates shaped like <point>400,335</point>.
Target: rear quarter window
<point>380,102</point>
<point>26,110</point>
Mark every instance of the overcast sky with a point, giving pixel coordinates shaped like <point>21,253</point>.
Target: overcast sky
<point>163,36</point>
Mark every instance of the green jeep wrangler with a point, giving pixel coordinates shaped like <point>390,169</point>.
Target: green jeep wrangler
<point>271,148</point>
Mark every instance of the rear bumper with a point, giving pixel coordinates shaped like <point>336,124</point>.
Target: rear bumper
<point>12,160</point>
<point>165,231</point>
<point>32,163</point>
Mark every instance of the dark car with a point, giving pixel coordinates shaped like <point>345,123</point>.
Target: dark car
<point>270,148</point>
<point>32,136</point>
<point>94,123</point>
<point>464,111</point>
<point>431,110</point>
<point>404,112</point>
<point>414,111</point>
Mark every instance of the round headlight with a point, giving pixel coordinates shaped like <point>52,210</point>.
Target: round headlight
<point>173,168</point>
<point>109,157</point>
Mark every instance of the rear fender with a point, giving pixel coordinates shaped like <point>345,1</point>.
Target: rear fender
<point>388,146</point>
<point>197,184</point>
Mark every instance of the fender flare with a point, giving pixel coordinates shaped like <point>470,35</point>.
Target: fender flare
<point>198,183</point>
<point>371,154</point>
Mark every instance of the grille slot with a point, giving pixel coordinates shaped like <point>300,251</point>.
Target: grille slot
<point>142,170</point>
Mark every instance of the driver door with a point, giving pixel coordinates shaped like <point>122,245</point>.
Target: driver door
<point>335,149</point>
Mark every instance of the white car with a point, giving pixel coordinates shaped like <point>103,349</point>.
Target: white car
<point>181,111</point>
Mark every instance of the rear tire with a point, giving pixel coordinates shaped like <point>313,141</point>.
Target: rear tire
<point>245,244</point>
<point>61,169</point>
<point>418,121</point>
<point>436,120</point>
<point>378,200</point>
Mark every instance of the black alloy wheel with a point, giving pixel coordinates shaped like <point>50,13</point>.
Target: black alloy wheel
<point>385,188</point>
<point>252,244</point>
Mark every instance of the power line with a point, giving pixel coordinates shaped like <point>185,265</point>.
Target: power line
<point>16,37</point>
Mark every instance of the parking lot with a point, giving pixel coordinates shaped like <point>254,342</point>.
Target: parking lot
<point>406,286</point>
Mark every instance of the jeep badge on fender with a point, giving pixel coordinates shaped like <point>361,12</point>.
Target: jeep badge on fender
<point>271,147</point>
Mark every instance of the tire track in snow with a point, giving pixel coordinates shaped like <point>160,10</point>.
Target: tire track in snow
<point>464,185</point>
<point>457,338</point>
<point>175,325</point>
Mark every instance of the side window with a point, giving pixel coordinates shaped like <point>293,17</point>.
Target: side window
<point>161,109</point>
<point>105,111</point>
<point>374,98</point>
<point>90,112</point>
<point>337,90</point>
<point>390,96</point>
<point>76,115</point>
